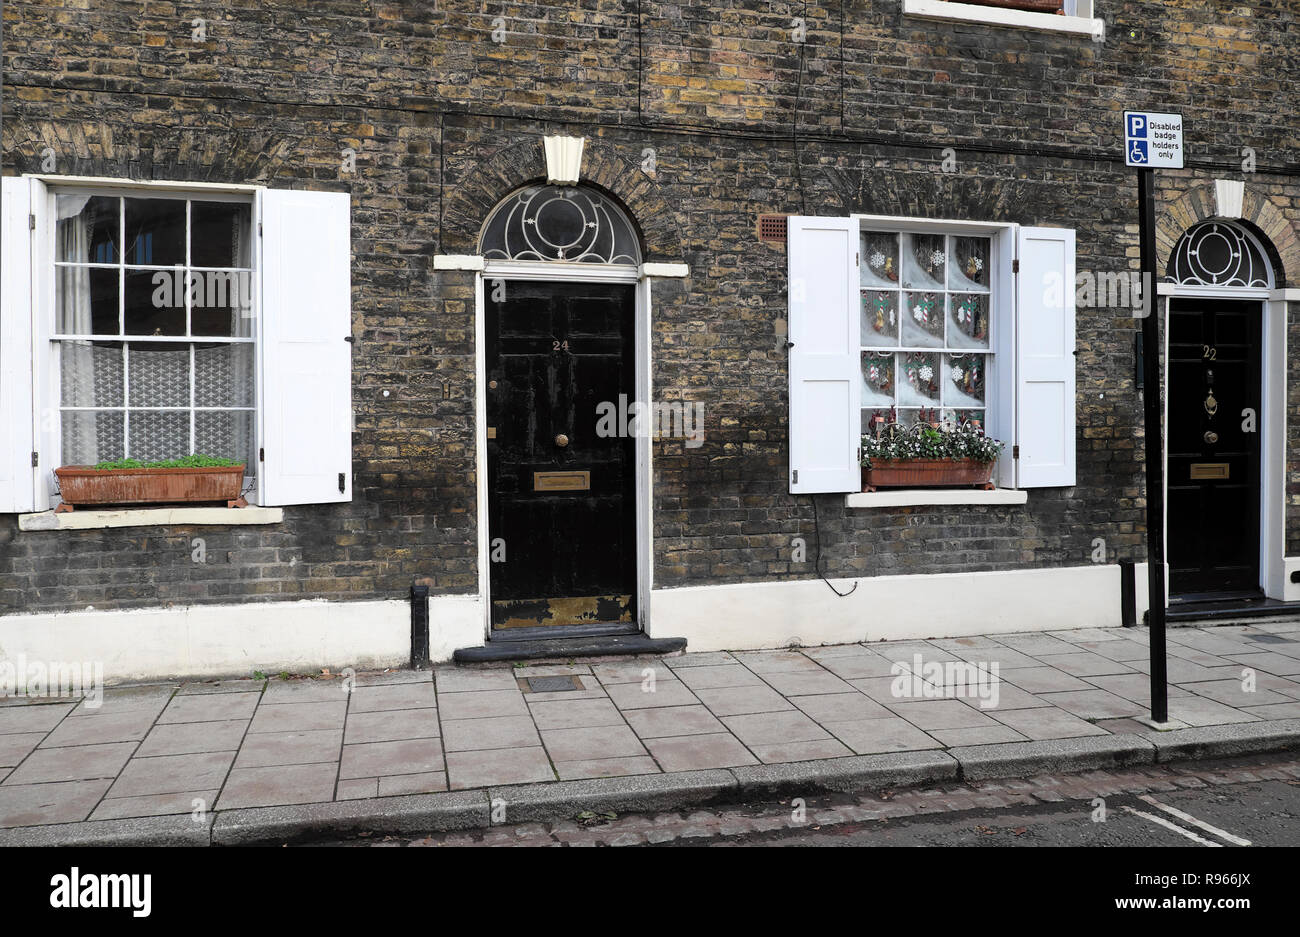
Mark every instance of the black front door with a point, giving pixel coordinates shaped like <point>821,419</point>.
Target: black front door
<point>1214,432</point>
<point>561,481</point>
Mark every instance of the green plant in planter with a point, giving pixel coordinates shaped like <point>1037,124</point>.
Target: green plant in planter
<point>189,461</point>
<point>922,441</point>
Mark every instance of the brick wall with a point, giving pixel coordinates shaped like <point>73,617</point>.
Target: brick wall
<point>444,121</point>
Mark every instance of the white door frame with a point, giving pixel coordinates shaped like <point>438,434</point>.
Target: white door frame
<point>1270,422</point>
<point>560,271</point>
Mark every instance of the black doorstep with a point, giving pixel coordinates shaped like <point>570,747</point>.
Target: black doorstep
<point>594,646</point>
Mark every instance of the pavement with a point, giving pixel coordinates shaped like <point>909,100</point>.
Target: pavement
<point>273,760</point>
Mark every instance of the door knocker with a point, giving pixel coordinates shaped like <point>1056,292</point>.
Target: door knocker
<point>1211,405</point>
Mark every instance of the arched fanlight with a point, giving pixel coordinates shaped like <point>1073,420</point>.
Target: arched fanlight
<point>563,223</point>
<point>1215,253</point>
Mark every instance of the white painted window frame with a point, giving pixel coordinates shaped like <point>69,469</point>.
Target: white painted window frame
<point>48,258</point>
<point>560,271</point>
<point>999,382</point>
<point>1078,19</point>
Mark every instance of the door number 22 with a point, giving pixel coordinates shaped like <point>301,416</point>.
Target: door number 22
<point>1208,353</point>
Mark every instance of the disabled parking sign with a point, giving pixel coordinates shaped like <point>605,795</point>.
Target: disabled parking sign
<point>1153,141</point>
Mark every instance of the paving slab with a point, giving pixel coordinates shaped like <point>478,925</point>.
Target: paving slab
<point>194,803</point>
<point>170,774</point>
<point>392,726</point>
<point>296,717</point>
<point>20,720</point>
<point>79,763</point>
<point>59,802</point>
<point>502,766</point>
<point>393,696</point>
<point>673,720</point>
<point>876,736</point>
<point>304,747</point>
<point>692,752</point>
<point>14,748</point>
<point>376,759</point>
<point>478,704</point>
<point>742,700</point>
<point>592,742</point>
<point>127,726</point>
<point>280,785</point>
<point>210,707</point>
<point>575,714</point>
<point>606,768</point>
<point>187,738</point>
<point>464,735</point>
<point>646,696</point>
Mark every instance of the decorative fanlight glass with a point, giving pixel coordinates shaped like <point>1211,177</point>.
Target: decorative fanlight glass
<point>561,223</point>
<point>1217,254</point>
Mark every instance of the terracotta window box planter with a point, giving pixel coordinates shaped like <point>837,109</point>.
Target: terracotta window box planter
<point>83,486</point>
<point>926,473</point>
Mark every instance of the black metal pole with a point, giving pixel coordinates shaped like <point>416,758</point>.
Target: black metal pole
<point>1154,449</point>
<point>419,627</point>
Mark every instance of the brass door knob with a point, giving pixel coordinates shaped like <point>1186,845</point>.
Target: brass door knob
<point>561,440</point>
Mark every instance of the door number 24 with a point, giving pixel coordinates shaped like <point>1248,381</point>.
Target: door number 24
<point>557,345</point>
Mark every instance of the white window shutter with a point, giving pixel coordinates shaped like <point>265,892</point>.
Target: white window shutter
<point>306,323</point>
<point>1045,405</point>
<point>17,439</point>
<point>825,374</point>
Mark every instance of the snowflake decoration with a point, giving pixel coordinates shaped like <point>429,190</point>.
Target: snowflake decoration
<point>977,263</point>
<point>877,260</point>
<point>926,372</point>
<point>919,314</point>
<point>957,374</point>
<point>936,258</point>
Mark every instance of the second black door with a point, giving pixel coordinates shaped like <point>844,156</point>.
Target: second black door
<point>1214,432</point>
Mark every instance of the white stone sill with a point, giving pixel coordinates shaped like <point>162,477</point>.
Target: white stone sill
<point>1001,16</point>
<point>920,497</point>
<point>150,517</point>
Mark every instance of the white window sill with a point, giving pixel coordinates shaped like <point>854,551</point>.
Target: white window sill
<point>1001,16</point>
<point>150,517</point>
<point>913,497</point>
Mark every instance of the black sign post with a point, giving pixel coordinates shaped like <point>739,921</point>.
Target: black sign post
<point>1153,445</point>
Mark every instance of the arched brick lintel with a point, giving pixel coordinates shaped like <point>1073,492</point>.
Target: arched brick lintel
<point>522,163</point>
<point>1183,210</point>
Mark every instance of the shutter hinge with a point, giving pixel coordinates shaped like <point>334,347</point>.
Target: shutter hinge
<point>1015,452</point>
<point>856,261</point>
<point>350,339</point>
<point>31,222</point>
<point>259,229</point>
<point>341,483</point>
<point>794,477</point>
<point>261,455</point>
<point>1015,265</point>
<point>36,459</point>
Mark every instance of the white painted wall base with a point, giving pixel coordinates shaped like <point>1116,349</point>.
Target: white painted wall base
<point>218,640</point>
<point>776,614</point>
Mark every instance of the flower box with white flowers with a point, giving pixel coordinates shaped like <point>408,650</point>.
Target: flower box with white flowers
<point>928,454</point>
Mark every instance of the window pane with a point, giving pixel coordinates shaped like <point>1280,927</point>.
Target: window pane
<point>968,320</point>
<point>974,417</point>
<point>924,260</point>
<point>964,380</point>
<point>86,301</point>
<point>918,381</point>
<point>155,231</point>
<point>969,269</point>
<point>90,374</point>
<point>227,435</point>
<point>219,235</point>
<point>879,318</point>
<point>91,436</point>
<point>877,379</point>
<point>159,376</point>
<point>155,302</point>
<point>223,375</point>
<point>157,435</point>
<point>923,320</point>
<point>87,230</point>
<point>221,303</point>
<point>878,265</point>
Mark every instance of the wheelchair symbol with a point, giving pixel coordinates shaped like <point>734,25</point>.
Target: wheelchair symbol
<point>1139,152</point>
